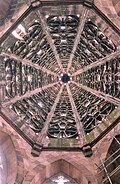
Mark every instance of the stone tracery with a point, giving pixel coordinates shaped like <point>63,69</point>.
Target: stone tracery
<point>93,45</point>
<point>63,30</point>
<point>104,78</point>
<point>29,62</point>
<point>60,178</point>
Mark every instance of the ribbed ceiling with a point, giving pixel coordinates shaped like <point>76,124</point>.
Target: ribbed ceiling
<point>61,72</point>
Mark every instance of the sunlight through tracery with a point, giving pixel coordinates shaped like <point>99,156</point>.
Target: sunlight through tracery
<point>61,180</point>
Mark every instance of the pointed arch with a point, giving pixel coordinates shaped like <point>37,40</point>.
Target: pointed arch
<point>13,157</point>
<point>41,173</point>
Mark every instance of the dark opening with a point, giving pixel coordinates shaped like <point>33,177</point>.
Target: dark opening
<point>65,78</point>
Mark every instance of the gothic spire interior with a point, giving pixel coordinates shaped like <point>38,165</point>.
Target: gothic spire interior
<point>59,92</point>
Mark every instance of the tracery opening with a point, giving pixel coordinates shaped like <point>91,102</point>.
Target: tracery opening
<point>60,178</point>
<point>65,78</point>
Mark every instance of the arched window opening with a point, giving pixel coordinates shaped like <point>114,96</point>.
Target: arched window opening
<point>113,157</point>
<point>8,161</point>
<point>110,167</point>
<point>60,178</point>
<point>3,167</point>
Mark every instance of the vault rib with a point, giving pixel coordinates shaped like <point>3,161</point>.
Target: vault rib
<point>81,133</point>
<point>97,63</point>
<point>43,133</point>
<point>27,94</point>
<point>99,94</point>
<point>50,41</point>
<point>77,39</point>
<point>28,62</point>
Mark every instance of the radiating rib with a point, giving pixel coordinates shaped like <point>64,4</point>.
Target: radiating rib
<point>28,62</point>
<point>80,29</point>
<point>77,118</point>
<point>48,36</point>
<point>43,133</point>
<point>99,94</point>
<point>99,62</point>
<point>28,94</point>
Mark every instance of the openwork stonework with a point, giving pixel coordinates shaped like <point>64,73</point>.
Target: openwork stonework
<point>60,178</point>
<point>60,74</point>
